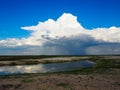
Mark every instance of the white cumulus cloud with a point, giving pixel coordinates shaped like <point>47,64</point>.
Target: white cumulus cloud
<point>65,35</point>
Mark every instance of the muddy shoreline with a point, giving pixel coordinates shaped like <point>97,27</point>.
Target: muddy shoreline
<point>12,61</point>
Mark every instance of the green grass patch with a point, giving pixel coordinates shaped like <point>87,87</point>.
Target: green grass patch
<point>65,85</point>
<point>27,80</point>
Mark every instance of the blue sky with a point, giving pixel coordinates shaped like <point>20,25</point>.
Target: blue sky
<point>69,27</point>
<point>90,13</point>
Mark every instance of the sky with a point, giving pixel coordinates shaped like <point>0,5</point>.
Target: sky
<point>59,27</point>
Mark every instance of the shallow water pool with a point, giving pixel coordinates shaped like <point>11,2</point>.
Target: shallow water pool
<point>43,68</point>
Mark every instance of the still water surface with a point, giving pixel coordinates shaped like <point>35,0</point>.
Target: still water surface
<point>43,68</point>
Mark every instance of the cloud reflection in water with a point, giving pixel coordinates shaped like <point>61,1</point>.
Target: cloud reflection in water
<point>43,68</point>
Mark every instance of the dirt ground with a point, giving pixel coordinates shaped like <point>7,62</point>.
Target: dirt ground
<point>61,82</point>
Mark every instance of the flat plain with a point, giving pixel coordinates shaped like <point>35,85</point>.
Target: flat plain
<point>105,75</point>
